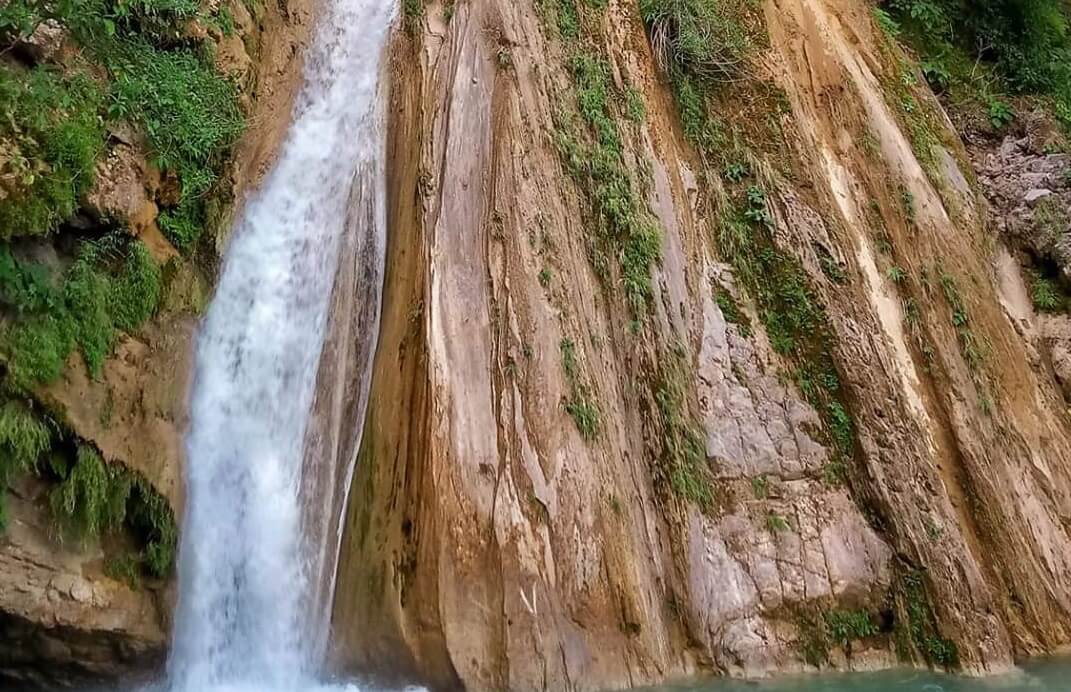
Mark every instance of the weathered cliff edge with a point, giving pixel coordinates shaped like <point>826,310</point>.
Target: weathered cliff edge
<point>492,543</point>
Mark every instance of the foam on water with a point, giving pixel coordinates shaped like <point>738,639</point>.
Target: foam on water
<point>244,621</point>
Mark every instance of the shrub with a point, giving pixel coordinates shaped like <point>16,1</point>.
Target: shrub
<point>706,39</point>
<point>113,284</point>
<point>1026,43</point>
<point>50,137</point>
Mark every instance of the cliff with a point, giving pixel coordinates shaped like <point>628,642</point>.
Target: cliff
<point>718,336</point>
<point>703,353</point>
<point>128,135</point>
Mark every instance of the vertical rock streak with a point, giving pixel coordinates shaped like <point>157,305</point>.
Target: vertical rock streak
<point>261,474</point>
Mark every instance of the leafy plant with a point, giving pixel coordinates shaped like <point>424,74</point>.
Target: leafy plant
<point>50,139</point>
<point>847,625</point>
<point>1046,294</point>
<point>1000,113</point>
<point>92,497</point>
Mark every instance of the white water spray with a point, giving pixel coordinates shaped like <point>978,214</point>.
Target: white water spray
<point>253,553</point>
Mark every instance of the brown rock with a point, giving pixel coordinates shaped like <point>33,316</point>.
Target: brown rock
<point>135,413</point>
<point>1056,335</point>
<point>65,623</point>
<point>124,188</point>
<point>46,40</point>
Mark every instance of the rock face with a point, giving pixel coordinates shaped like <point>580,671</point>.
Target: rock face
<point>492,543</point>
<point>1030,190</point>
<point>64,623</point>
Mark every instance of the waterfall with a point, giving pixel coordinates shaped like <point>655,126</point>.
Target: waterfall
<point>257,557</point>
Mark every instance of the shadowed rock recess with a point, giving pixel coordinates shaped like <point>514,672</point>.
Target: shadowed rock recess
<point>713,341</point>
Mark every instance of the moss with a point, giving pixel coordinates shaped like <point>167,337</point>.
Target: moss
<point>919,629</point>
<point>794,318</point>
<point>579,404</point>
<point>682,459</point>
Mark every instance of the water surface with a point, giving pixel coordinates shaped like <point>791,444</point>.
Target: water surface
<point>1041,676</point>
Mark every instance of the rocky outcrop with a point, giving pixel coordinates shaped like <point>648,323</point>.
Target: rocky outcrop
<point>493,542</point>
<point>64,622</point>
<point>1028,185</point>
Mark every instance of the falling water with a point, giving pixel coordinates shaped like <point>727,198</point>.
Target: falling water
<point>261,473</point>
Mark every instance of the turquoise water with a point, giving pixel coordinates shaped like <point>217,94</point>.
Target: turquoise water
<point>1041,676</point>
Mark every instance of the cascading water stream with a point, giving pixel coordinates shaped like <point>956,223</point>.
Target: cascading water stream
<point>255,544</point>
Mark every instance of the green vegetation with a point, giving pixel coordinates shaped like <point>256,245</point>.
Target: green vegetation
<point>775,523</point>
<point>972,348</point>
<point>62,288</point>
<point>918,629</point>
<point>190,115</point>
<point>136,65</point>
<point>50,138</point>
<point>795,320</point>
<point>155,78</point>
<point>845,626</point>
<point>599,167</point>
<point>151,519</point>
<point>1046,293</point>
<point>760,487</point>
<point>731,311</point>
<point>92,496</point>
<point>112,285</point>
<point>974,51</point>
<point>635,109</point>
<point>579,404</point>
<point>920,119</point>
<point>820,631</point>
<point>704,39</point>
<point>682,461</point>
<point>703,46</point>
<point>24,438</point>
<point>89,497</point>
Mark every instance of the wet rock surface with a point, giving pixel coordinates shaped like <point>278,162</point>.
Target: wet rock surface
<point>490,544</point>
